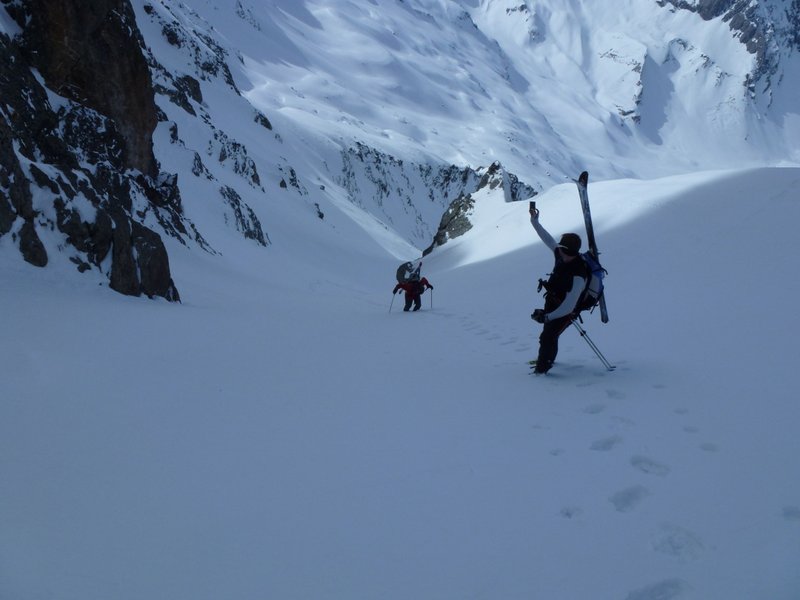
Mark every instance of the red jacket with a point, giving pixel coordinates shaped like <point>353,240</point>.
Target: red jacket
<point>413,288</point>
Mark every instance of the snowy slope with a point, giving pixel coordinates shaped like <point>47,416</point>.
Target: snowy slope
<point>282,434</point>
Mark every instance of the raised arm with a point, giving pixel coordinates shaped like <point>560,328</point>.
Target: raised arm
<point>543,233</point>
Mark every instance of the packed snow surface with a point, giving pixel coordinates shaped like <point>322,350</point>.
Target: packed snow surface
<point>289,432</point>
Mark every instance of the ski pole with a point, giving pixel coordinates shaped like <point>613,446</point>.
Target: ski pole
<point>593,346</point>
<point>391,303</point>
<point>431,298</point>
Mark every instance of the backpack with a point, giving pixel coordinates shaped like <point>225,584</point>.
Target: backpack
<point>594,284</point>
<point>407,271</point>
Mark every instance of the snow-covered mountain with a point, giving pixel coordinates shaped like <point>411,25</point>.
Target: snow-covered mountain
<point>546,89</point>
<point>273,114</point>
<point>542,86</point>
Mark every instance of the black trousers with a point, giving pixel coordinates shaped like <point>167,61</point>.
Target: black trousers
<point>416,299</point>
<point>548,340</point>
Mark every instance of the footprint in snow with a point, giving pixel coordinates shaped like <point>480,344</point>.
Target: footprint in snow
<point>606,444</point>
<point>649,466</point>
<point>678,542</point>
<point>594,409</point>
<point>663,590</point>
<point>571,512</point>
<point>791,513</point>
<point>629,498</point>
<point>573,367</point>
<point>469,323</point>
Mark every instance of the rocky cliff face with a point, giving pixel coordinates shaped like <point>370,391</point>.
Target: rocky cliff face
<point>76,155</point>
<point>393,185</point>
<point>90,52</point>
<point>455,221</point>
<point>765,27</point>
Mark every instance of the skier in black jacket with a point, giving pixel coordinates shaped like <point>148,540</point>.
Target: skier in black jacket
<point>563,290</point>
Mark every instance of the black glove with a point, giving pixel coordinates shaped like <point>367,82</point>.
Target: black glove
<point>430,287</point>
<point>539,316</point>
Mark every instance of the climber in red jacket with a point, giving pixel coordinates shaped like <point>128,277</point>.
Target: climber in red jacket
<point>414,289</point>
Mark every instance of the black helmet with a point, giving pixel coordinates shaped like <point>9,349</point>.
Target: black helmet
<point>570,243</point>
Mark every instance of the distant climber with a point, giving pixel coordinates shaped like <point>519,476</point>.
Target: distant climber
<point>414,286</point>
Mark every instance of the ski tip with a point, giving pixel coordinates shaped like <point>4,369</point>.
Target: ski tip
<point>583,178</point>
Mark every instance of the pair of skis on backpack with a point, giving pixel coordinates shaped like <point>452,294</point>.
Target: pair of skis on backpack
<point>592,257</point>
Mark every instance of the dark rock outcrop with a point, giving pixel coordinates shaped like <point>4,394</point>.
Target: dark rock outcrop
<point>76,150</point>
<point>246,221</point>
<point>455,220</point>
<point>418,192</point>
<point>90,52</point>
